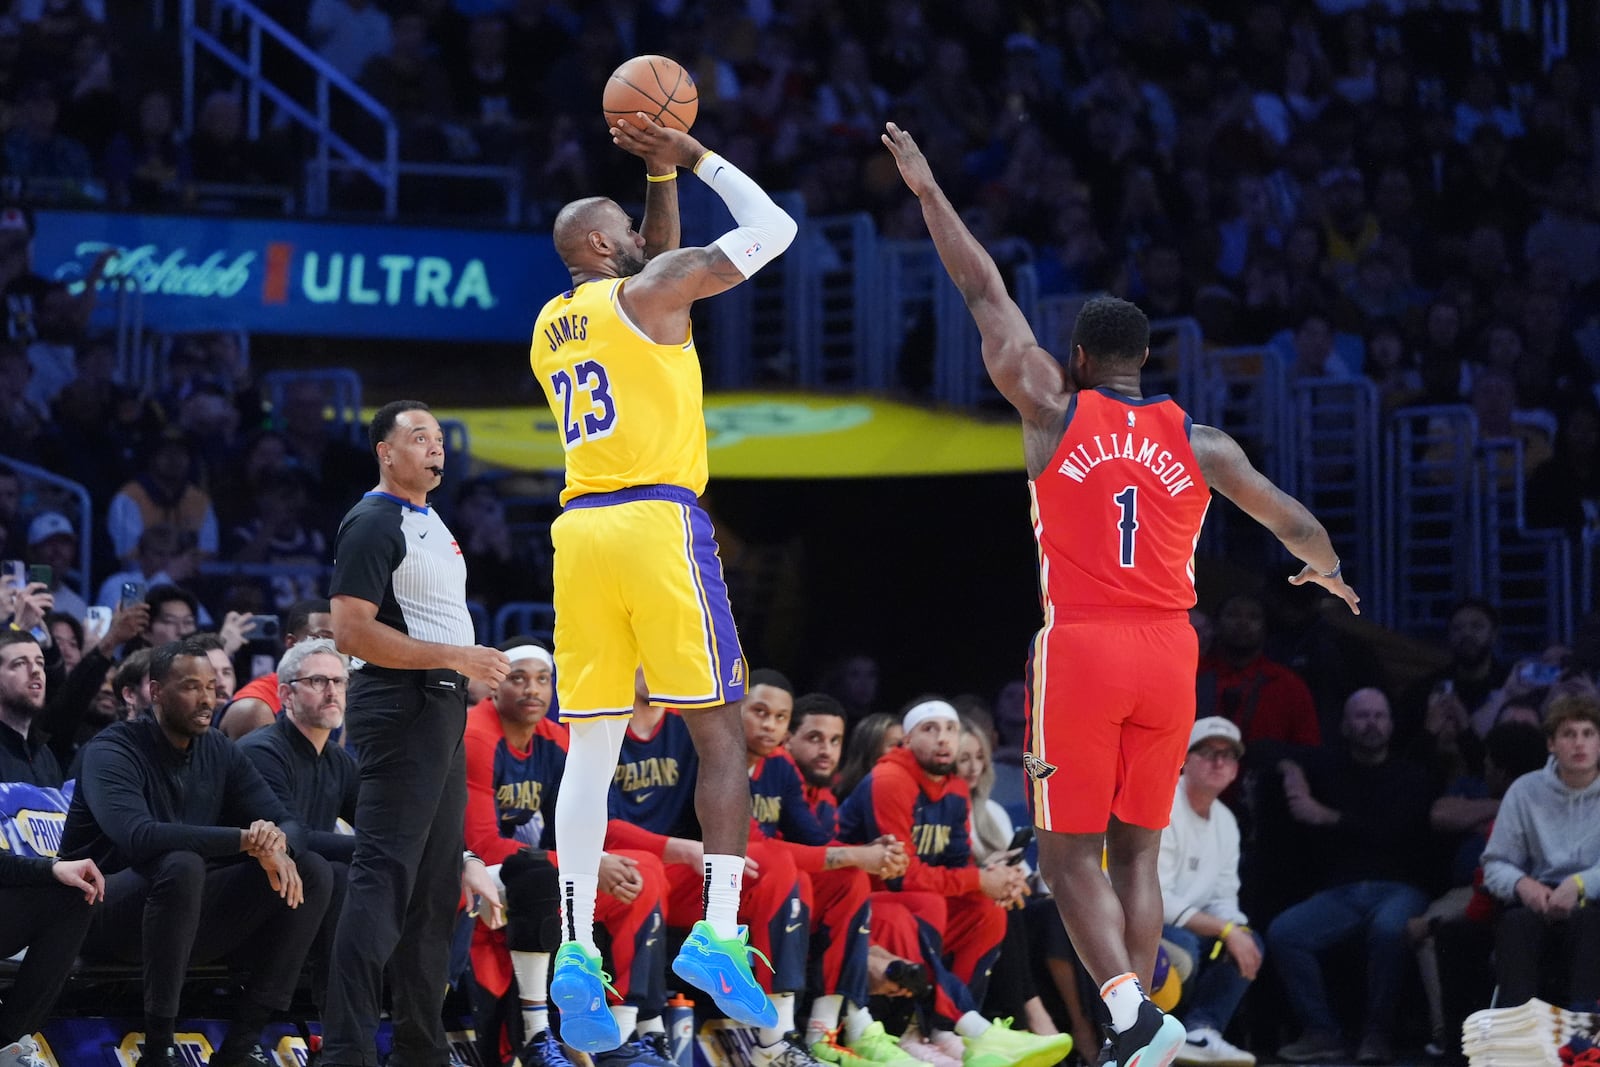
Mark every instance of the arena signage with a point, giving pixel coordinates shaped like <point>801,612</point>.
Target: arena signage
<point>284,276</point>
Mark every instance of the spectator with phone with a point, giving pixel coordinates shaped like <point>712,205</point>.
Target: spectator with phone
<point>257,703</point>
<point>174,614</point>
<point>1543,863</point>
<point>53,553</point>
<point>1473,670</point>
<point>1199,872</point>
<point>1527,682</point>
<point>69,716</point>
<point>159,560</point>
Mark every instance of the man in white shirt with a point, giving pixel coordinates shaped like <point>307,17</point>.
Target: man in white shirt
<point>1199,871</point>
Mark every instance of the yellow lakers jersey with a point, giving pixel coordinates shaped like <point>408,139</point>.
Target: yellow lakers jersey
<point>630,411</point>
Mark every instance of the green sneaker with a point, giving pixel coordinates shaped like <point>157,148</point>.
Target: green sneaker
<point>721,967</point>
<point>578,989</point>
<point>876,1045</point>
<point>828,1050</point>
<point>1017,1047</point>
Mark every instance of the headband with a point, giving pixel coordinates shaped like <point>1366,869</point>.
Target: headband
<point>531,652</point>
<point>928,709</point>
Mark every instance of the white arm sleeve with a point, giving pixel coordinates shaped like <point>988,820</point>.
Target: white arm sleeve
<point>764,229</point>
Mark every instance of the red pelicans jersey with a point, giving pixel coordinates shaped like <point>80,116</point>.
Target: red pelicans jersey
<point>1118,510</point>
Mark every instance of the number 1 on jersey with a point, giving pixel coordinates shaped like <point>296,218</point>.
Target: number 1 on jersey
<point>590,377</point>
<point>1128,501</point>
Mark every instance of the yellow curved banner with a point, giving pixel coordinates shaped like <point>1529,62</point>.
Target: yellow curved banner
<point>784,435</point>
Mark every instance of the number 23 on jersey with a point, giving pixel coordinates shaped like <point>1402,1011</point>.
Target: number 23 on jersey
<point>588,411</point>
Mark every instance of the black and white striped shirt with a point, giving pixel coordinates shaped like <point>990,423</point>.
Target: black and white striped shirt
<point>403,558</point>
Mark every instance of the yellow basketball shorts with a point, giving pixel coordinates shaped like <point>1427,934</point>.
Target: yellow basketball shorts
<point>638,583</point>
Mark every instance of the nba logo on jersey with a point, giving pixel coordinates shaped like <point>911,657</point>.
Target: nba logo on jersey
<point>1130,420</point>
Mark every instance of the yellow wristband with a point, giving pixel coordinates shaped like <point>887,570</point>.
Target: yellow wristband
<point>1583,893</point>
<point>703,157</point>
<point>662,177</point>
<point>1227,928</point>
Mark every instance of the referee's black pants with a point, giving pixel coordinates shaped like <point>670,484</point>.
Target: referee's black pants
<point>49,921</point>
<point>405,879</point>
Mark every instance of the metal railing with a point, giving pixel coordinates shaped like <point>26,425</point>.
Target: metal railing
<point>1334,468</point>
<point>318,119</point>
<point>1433,518</point>
<point>1528,574</point>
<point>61,490</point>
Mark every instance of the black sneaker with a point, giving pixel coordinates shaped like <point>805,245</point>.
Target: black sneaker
<point>912,977</point>
<point>1152,1041</point>
<point>542,1050</point>
<point>251,1056</point>
<point>160,1056</point>
<point>643,1050</point>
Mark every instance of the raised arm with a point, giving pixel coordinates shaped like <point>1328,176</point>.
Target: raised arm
<point>660,295</point>
<point>659,228</point>
<point>1030,377</point>
<point>1230,473</point>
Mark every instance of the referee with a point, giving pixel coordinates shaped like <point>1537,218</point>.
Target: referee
<point>399,611</point>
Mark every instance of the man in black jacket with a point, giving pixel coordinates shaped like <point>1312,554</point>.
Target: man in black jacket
<point>45,906</point>
<point>160,802</point>
<point>315,779</point>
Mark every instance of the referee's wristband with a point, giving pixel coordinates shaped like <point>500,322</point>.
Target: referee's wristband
<point>468,854</point>
<point>1338,566</point>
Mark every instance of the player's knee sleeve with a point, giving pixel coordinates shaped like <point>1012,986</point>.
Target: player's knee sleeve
<point>533,903</point>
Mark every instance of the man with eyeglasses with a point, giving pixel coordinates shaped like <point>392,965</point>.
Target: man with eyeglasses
<point>1199,872</point>
<point>316,780</point>
<point>257,704</point>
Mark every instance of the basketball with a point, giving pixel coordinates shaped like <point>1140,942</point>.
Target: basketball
<point>656,85</point>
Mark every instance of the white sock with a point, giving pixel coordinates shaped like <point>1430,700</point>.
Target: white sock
<point>577,907</point>
<point>724,880</point>
<point>856,1020</point>
<point>1123,995</point>
<point>581,820</point>
<point>533,986</point>
<point>653,1025</point>
<point>825,1014</point>
<point>784,1002</point>
<point>627,1016</point>
<point>971,1024</point>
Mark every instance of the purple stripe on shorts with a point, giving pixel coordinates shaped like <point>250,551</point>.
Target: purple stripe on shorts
<point>724,635</point>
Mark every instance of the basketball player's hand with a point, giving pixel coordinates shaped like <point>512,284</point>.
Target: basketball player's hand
<point>896,859</point>
<point>284,877</point>
<point>1244,952</point>
<point>661,147</point>
<point>487,665</point>
<point>483,895</point>
<point>912,163</point>
<point>620,877</point>
<point>1335,585</point>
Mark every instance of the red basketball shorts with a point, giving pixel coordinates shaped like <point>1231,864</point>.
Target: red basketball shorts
<point>1111,705</point>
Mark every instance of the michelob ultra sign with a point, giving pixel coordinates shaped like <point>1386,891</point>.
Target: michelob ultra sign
<point>321,279</point>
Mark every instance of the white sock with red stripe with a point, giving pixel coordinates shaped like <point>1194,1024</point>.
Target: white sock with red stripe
<point>1123,995</point>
